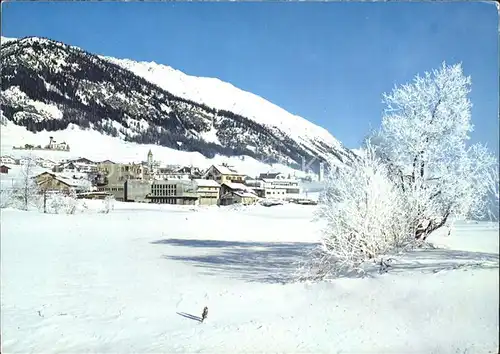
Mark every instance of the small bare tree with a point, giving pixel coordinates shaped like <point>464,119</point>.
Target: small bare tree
<point>108,204</point>
<point>26,189</point>
<point>6,195</point>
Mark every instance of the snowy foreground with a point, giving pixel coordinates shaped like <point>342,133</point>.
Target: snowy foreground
<point>136,280</point>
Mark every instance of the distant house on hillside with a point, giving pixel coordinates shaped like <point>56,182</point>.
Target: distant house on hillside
<point>4,169</point>
<point>46,163</point>
<point>83,160</point>
<point>7,160</point>
<point>107,162</point>
<point>53,145</point>
<point>193,172</point>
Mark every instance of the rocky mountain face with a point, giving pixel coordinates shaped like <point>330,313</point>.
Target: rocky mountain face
<point>47,85</point>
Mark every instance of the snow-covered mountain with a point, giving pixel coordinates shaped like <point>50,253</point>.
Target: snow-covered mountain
<point>48,85</point>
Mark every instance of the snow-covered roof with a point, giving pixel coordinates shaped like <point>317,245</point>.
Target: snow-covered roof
<point>72,182</point>
<point>245,194</point>
<point>237,186</point>
<point>225,170</point>
<point>270,174</point>
<point>206,183</point>
<point>71,175</point>
<point>270,180</point>
<point>68,180</point>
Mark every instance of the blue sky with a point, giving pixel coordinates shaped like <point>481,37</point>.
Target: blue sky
<point>328,62</point>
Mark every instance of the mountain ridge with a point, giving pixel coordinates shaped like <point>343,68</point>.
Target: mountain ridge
<point>116,97</point>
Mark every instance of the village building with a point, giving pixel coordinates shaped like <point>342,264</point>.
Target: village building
<point>172,174</point>
<point>280,186</point>
<point>193,172</point>
<point>7,160</point>
<point>237,193</point>
<point>24,161</point>
<point>118,173</point>
<point>66,167</point>
<point>53,145</point>
<point>116,190</point>
<point>61,183</point>
<point>182,192</point>
<point>208,191</point>
<point>4,169</point>
<point>223,173</point>
<point>257,186</point>
<point>84,160</point>
<point>46,163</point>
<point>136,190</point>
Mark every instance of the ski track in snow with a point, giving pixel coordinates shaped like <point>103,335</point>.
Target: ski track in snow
<point>133,280</point>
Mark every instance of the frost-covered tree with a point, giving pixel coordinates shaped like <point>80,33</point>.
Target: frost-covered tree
<point>26,190</point>
<point>423,140</point>
<point>415,174</point>
<point>108,204</point>
<point>363,215</point>
<point>63,203</point>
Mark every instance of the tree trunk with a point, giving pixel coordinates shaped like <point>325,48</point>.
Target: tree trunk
<point>433,226</point>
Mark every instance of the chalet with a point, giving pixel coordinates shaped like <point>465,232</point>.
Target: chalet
<point>237,193</point>
<point>4,169</point>
<point>83,160</point>
<point>193,172</point>
<point>46,163</point>
<point>69,167</point>
<point>61,183</point>
<point>271,175</point>
<point>208,191</point>
<point>223,174</point>
<point>85,167</point>
<point>8,160</point>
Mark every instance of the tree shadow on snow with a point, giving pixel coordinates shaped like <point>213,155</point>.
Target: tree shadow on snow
<point>191,317</point>
<point>276,262</point>
<point>440,259</point>
<point>266,262</point>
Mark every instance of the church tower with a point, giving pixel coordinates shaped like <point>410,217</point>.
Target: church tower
<point>150,159</point>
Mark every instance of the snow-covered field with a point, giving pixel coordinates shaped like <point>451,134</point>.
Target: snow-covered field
<point>136,280</point>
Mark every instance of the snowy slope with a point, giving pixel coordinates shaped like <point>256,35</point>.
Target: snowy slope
<point>98,147</point>
<point>222,95</point>
<point>137,279</point>
<point>48,85</point>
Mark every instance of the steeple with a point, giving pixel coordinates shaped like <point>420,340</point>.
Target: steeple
<point>150,159</point>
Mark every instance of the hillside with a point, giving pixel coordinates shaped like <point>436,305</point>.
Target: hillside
<point>48,85</point>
